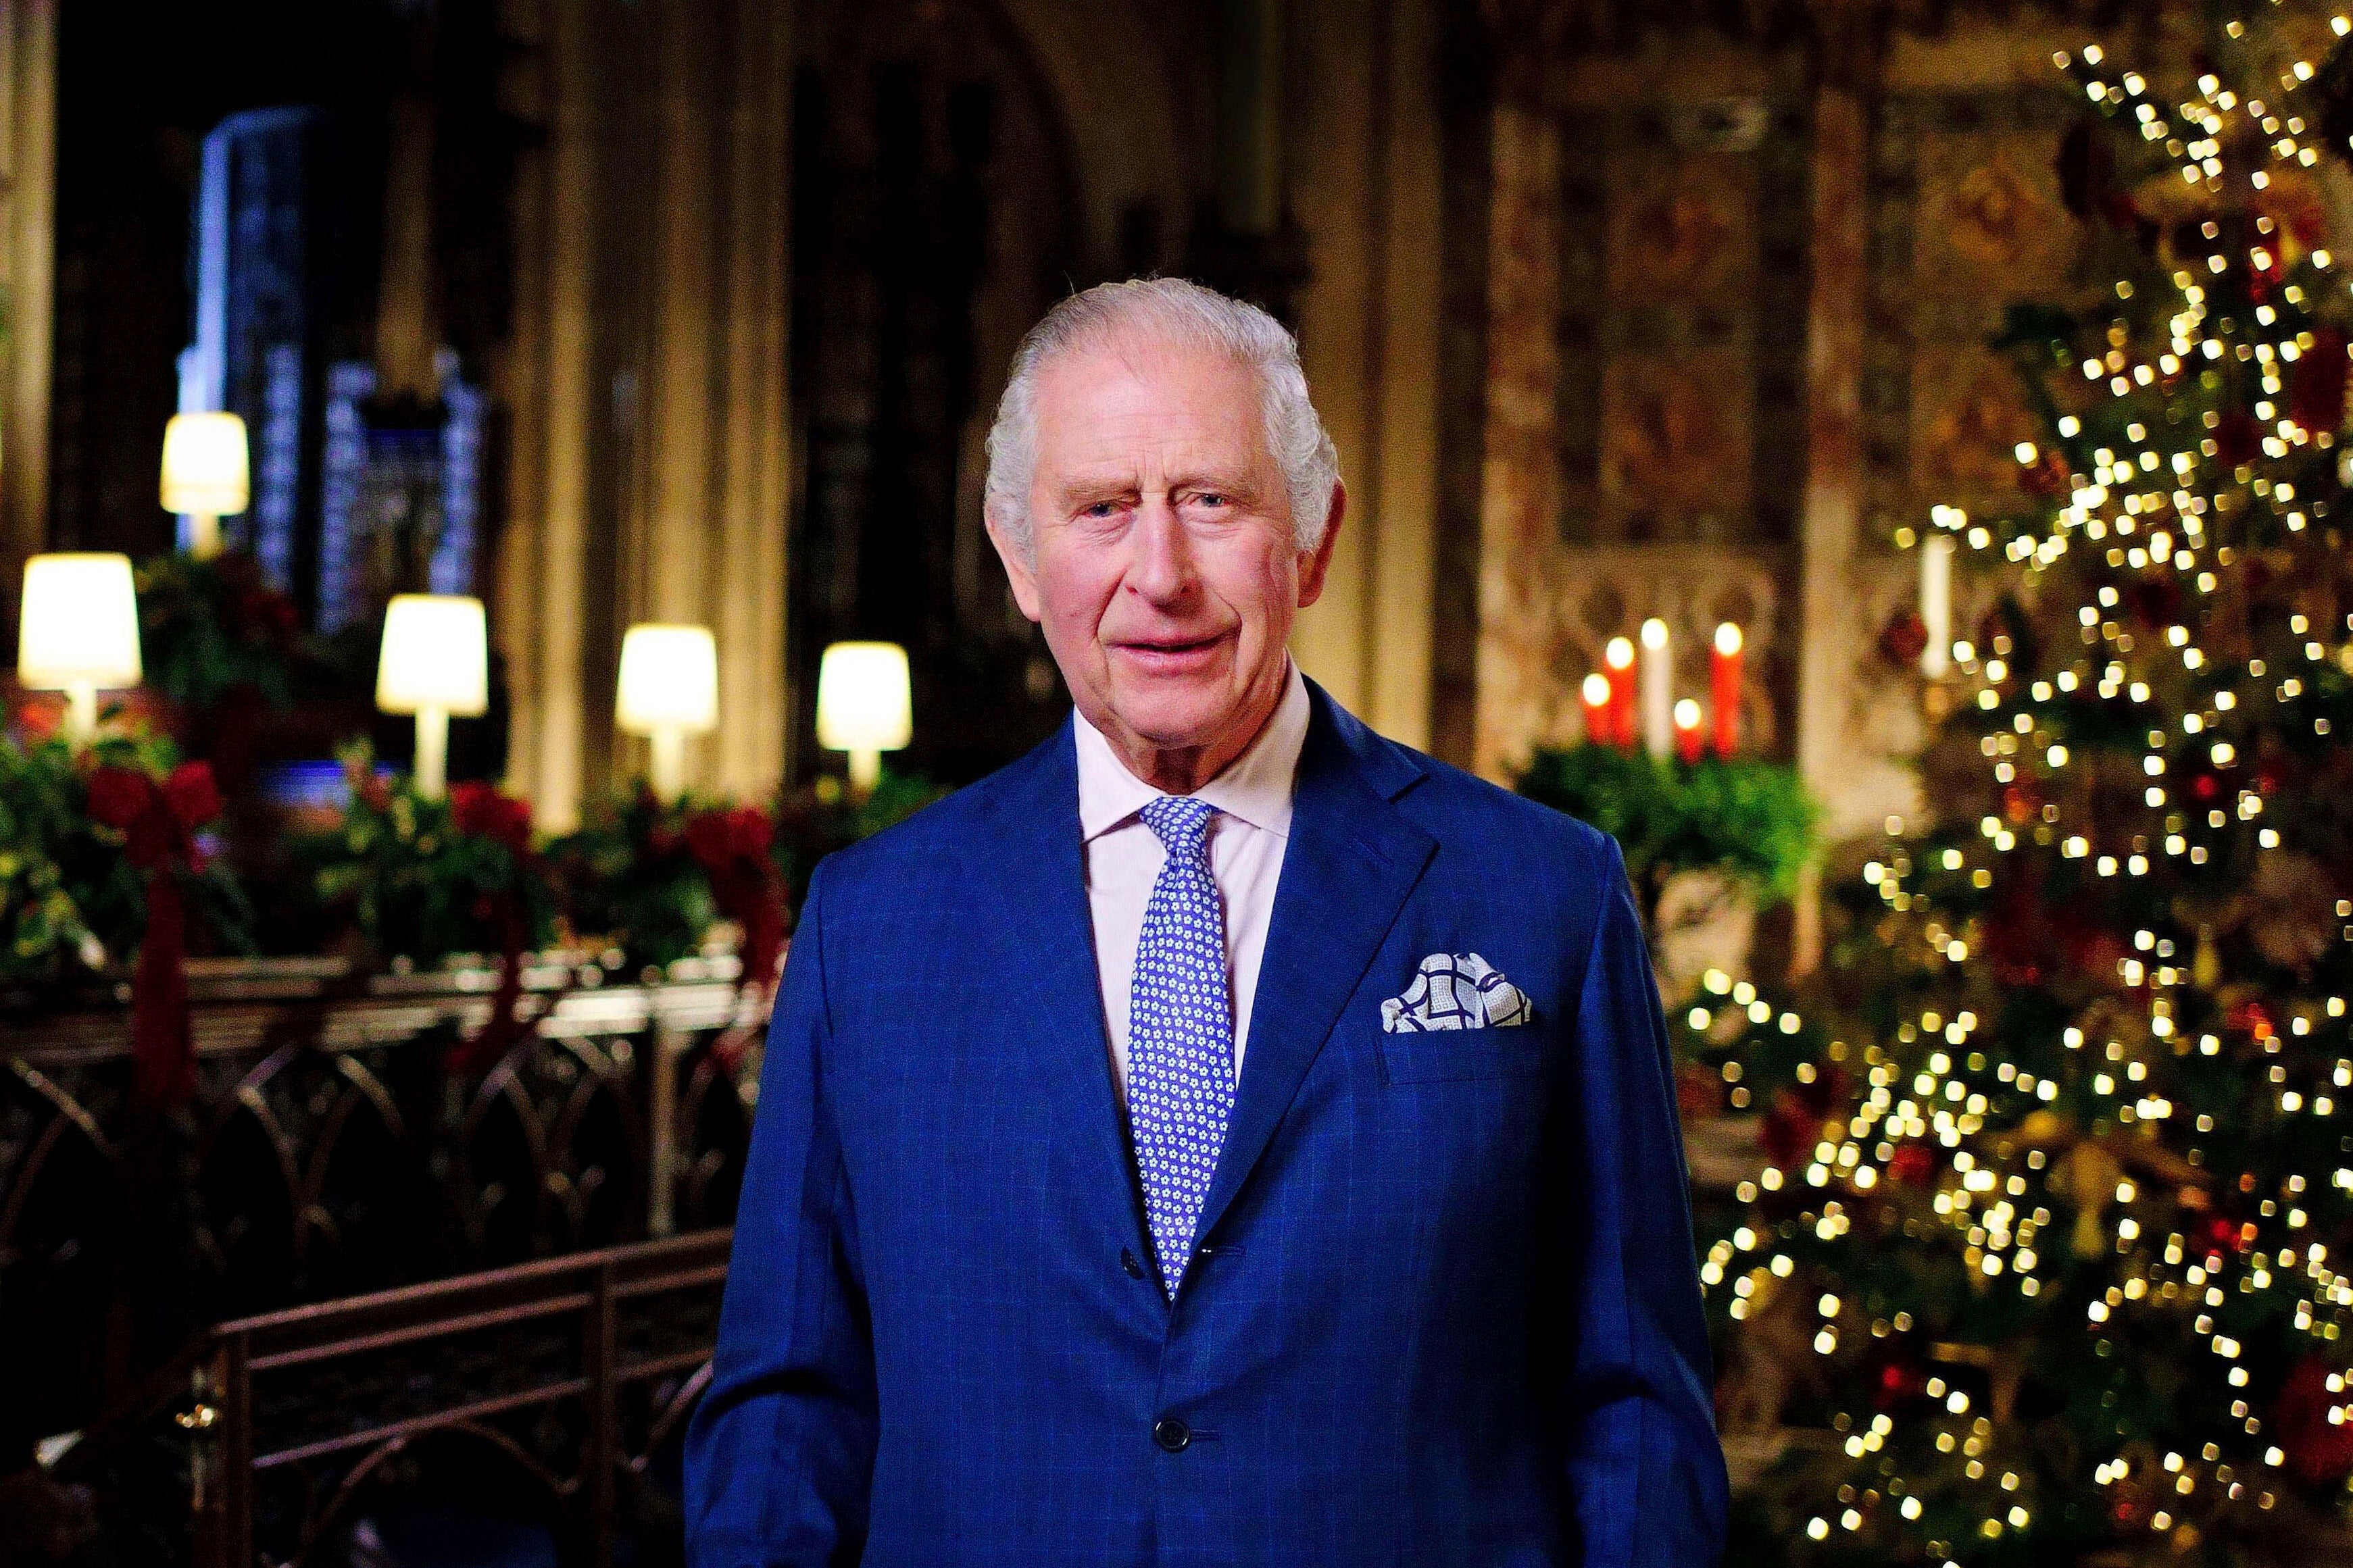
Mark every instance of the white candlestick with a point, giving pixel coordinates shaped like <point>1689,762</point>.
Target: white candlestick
<point>1936,603</point>
<point>1658,691</point>
<point>432,769</point>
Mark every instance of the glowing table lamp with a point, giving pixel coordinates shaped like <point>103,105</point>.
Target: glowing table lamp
<point>79,633</point>
<point>435,662</point>
<point>669,691</point>
<point>205,475</point>
<point>862,706</point>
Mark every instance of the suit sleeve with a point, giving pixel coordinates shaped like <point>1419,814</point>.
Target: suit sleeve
<point>780,1454</point>
<point>1646,1475</point>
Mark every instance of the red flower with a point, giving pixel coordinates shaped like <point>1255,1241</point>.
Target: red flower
<point>191,795</point>
<point>711,838</point>
<point>39,715</point>
<point>482,811</point>
<point>751,832</point>
<point>375,792</point>
<point>119,796</point>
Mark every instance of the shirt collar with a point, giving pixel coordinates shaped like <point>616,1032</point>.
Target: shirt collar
<point>1256,786</point>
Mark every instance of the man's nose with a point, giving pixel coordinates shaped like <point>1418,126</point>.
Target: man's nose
<point>1161,572</point>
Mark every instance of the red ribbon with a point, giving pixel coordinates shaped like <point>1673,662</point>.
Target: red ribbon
<point>490,1043</point>
<point>157,821</point>
<point>484,811</point>
<point>733,848</point>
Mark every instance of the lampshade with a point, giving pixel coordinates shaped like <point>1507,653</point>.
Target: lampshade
<point>861,698</point>
<point>80,624</point>
<point>670,678</point>
<point>205,465</point>
<point>436,655</point>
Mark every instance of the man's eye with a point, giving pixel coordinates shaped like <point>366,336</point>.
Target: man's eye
<point>1101,509</point>
<point>1211,498</point>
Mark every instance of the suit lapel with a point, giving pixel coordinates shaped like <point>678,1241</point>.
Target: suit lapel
<point>1352,859</point>
<point>1049,957</point>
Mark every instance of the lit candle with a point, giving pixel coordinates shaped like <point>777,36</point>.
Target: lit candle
<point>1936,603</point>
<point>1618,659</point>
<point>1658,690</point>
<point>1596,692</point>
<point>1689,739</point>
<point>1724,688</point>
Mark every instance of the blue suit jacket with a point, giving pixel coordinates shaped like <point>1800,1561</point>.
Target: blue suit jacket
<point>1444,1311</point>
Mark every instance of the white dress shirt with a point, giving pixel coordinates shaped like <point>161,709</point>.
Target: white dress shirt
<point>1252,796</point>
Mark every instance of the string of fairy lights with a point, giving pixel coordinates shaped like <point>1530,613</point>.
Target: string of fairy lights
<point>2151,507</point>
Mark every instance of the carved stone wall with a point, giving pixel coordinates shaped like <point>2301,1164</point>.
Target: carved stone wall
<point>1738,280</point>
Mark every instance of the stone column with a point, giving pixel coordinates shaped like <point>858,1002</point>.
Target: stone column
<point>749,586</point>
<point>1367,144</point>
<point>665,559</point>
<point>670,315</point>
<point>708,545</point>
<point>1832,518</point>
<point>28,38</point>
<point>543,575</point>
<point>1519,483</point>
<point>1250,118</point>
<point>406,334</point>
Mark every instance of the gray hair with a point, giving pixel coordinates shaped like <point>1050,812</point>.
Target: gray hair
<point>1189,313</point>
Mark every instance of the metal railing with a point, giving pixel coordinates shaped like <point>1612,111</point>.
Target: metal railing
<point>332,1150</point>
<point>560,1385</point>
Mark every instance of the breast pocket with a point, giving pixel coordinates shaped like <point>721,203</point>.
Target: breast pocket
<point>1443,1056</point>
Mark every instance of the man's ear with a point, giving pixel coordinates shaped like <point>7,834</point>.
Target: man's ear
<point>1314,563</point>
<point>1017,570</point>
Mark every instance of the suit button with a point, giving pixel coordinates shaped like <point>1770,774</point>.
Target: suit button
<point>1127,1261</point>
<point>1172,1435</point>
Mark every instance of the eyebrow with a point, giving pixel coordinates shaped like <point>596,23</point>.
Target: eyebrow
<point>1110,482</point>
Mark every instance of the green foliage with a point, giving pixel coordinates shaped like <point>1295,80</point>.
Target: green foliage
<point>422,879</point>
<point>1751,820</point>
<point>207,628</point>
<point>634,878</point>
<point>71,901</point>
<point>822,817</point>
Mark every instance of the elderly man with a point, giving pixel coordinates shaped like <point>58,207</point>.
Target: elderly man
<point>1223,1136</point>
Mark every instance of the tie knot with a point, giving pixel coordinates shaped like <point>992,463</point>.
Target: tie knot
<point>1181,822</point>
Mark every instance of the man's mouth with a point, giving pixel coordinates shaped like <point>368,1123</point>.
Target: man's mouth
<point>1170,653</point>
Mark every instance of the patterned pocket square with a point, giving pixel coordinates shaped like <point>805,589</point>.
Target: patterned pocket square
<point>1456,991</point>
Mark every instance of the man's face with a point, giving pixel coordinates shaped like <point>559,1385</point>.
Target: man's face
<point>1163,568</point>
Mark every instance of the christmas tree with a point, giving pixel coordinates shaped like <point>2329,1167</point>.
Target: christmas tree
<point>2055,1239</point>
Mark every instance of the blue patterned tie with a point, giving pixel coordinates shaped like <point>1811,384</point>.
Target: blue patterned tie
<point>1180,1074</point>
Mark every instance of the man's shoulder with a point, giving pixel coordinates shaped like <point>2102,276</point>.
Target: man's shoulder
<point>1461,808</point>
<point>1507,844</point>
<point>1475,799</point>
